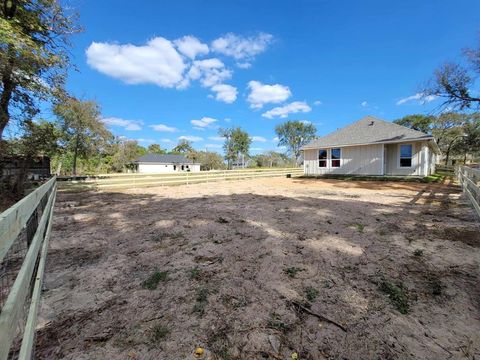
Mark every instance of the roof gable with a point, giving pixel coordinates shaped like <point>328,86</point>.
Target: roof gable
<point>368,130</point>
<point>163,159</point>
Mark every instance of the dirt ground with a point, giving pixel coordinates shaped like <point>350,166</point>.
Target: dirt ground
<point>251,269</point>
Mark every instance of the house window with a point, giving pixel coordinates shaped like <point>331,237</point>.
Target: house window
<point>406,153</point>
<point>322,158</point>
<point>336,155</point>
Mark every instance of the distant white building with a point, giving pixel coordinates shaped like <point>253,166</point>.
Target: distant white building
<point>159,163</point>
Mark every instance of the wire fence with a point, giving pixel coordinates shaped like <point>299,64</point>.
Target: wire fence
<point>24,233</point>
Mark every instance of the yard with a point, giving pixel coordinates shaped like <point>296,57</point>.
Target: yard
<point>264,269</point>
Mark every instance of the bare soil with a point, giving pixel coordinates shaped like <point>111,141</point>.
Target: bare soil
<point>248,265</point>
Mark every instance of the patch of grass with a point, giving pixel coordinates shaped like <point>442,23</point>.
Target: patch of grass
<point>151,283</point>
<point>275,322</point>
<point>311,293</point>
<point>292,271</point>
<point>360,227</point>
<point>397,295</point>
<point>159,332</point>
<point>194,273</point>
<point>201,301</point>
<point>435,286</point>
<point>418,253</point>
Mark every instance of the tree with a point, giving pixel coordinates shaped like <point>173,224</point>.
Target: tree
<point>183,147</point>
<point>210,160</point>
<point>155,149</point>
<point>237,142</point>
<point>124,152</point>
<point>34,55</point>
<point>293,135</point>
<point>84,133</point>
<point>418,122</point>
<point>455,82</point>
<point>469,141</point>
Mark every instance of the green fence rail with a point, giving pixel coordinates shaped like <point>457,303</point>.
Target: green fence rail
<point>118,181</point>
<point>24,234</point>
<point>470,180</point>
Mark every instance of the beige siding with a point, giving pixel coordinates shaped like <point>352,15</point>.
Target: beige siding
<point>355,160</point>
<point>419,159</point>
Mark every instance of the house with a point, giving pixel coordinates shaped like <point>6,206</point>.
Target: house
<point>372,146</point>
<point>160,163</point>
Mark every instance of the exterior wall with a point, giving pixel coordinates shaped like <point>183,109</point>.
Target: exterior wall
<point>420,159</point>
<point>355,160</point>
<point>166,168</point>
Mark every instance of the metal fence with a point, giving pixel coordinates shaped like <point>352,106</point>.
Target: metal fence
<point>117,181</point>
<point>470,180</point>
<point>24,233</point>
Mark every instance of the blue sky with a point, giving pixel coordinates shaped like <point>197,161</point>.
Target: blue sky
<point>168,70</point>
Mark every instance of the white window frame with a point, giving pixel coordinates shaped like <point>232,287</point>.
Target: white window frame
<point>331,158</point>
<point>412,164</point>
<point>326,159</point>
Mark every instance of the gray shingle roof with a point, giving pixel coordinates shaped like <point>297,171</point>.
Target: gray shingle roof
<point>368,130</point>
<point>163,159</point>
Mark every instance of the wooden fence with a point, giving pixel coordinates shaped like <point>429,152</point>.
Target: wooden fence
<point>116,181</point>
<point>24,233</point>
<point>470,180</point>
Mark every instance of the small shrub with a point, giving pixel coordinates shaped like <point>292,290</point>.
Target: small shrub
<point>311,293</point>
<point>275,322</point>
<point>201,301</point>
<point>159,332</point>
<point>194,273</point>
<point>153,280</point>
<point>292,271</point>
<point>397,295</point>
<point>435,286</point>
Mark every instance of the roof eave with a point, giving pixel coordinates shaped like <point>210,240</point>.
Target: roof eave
<point>428,138</point>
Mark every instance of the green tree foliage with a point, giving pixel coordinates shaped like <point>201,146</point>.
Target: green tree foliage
<point>418,122</point>
<point>123,153</point>
<point>293,135</point>
<point>237,142</point>
<point>155,149</point>
<point>210,160</point>
<point>455,82</point>
<point>34,55</point>
<point>183,147</point>
<point>84,133</point>
<point>272,159</point>
<point>453,132</point>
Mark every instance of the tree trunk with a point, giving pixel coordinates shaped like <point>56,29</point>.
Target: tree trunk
<point>75,152</point>
<point>8,87</point>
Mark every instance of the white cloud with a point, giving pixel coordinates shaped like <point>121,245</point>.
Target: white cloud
<point>205,122</point>
<point>317,103</point>
<point>418,96</point>
<point>225,93</point>
<point>157,62</point>
<point>258,138</point>
<point>216,146</point>
<point>132,125</point>
<point>284,111</point>
<point>256,149</point>
<point>216,138</point>
<point>190,46</point>
<point>148,141</point>
<point>261,94</point>
<point>306,122</point>
<point>242,49</point>
<point>166,140</point>
<point>163,127</point>
<point>276,138</point>
<point>190,138</point>
<point>364,104</point>
<point>209,72</point>
<point>227,120</point>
